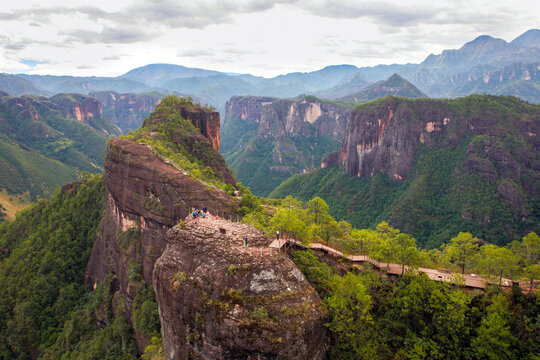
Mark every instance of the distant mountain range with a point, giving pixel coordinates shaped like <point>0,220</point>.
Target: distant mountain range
<point>452,73</point>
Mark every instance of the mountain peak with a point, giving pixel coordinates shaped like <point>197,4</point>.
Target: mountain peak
<point>482,41</point>
<point>528,39</point>
<point>394,85</point>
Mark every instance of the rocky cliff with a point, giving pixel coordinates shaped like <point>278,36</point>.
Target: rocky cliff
<point>434,168</point>
<point>221,300</point>
<point>202,118</point>
<point>145,197</point>
<point>248,108</point>
<point>127,111</point>
<point>79,107</point>
<point>233,305</point>
<point>270,141</point>
<point>385,135</point>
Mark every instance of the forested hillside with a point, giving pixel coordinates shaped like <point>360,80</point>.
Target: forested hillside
<point>47,142</point>
<point>435,167</point>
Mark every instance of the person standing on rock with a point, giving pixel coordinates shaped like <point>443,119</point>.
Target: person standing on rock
<point>245,241</point>
<point>277,235</point>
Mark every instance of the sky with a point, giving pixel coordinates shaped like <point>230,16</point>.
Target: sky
<point>264,38</point>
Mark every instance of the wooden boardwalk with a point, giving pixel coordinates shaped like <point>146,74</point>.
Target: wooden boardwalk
<point>469,280</point>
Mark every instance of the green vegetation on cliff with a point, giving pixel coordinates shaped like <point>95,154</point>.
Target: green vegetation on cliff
<point>43,256</point>
<point>176,139</point>
<point>43,145</point>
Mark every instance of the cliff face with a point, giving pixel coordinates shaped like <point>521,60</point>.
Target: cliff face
<point>206,120</point>
<point>82,108</point>
<point>221,300</point>
<point>248,108</point>
<point>145,197</point>
<point>291,118</point>
<point>385,138</point>
<point>267,141</point>
<point>127,111</point>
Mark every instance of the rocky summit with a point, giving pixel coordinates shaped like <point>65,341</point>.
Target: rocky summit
<point>220,299</point>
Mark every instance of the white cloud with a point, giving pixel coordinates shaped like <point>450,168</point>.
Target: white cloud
<point>256,36</point>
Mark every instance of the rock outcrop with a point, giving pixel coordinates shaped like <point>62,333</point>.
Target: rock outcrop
<point>219,299</point>
<point>265,143</point>
<point>145,197</point>
<point>127,111</point>
<point>79,107</point>
<point>206,120</point>
<point>290,118</point>
<point>385,137</point>
<point>248,108</point>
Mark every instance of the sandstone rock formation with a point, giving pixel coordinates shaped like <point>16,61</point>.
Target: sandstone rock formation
<point>266,141</point>
<point>247,108</point>
<point>290,117</point>
<point>127,111</point>
<point>219,299</point>
<point>206,120</point>
<point>386,136</point>
<point>80,107</point>
<point>145,197</point>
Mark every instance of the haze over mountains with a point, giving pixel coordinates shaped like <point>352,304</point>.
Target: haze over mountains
<point>485,64</point>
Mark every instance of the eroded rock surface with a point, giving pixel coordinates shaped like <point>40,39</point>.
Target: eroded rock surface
<point>145,197</point>
<point>219,299</point>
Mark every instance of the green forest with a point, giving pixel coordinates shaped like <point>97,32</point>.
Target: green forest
<point>48,312</point>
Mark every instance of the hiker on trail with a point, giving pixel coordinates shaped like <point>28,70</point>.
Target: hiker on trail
<point>203,215</point>
<point>277,235</point>
<point>194,213</point>
<point>204,209</point>
<point>245,240</point>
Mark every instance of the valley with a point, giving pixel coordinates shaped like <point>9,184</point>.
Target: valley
<point>174,212</point>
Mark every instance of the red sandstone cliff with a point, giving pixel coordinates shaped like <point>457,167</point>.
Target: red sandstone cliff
<point>144,198</point>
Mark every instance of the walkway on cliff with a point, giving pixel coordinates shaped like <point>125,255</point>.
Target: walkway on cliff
<point>469,280</point>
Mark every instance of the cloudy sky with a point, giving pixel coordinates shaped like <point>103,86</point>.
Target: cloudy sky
<point>108,38</point>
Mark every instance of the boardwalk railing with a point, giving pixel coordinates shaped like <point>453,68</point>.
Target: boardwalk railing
<point>469,280</point>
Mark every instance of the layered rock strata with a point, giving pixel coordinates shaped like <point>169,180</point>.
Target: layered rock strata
<point>145,197</point>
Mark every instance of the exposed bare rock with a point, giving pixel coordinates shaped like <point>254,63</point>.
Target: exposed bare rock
<point>83,108</point>
<point>127,111</point>
<point>248,108</point>
<point>221,300</point>
<point>144,198</point>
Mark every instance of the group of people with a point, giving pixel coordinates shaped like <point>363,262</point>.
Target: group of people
<point>198,212</point>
